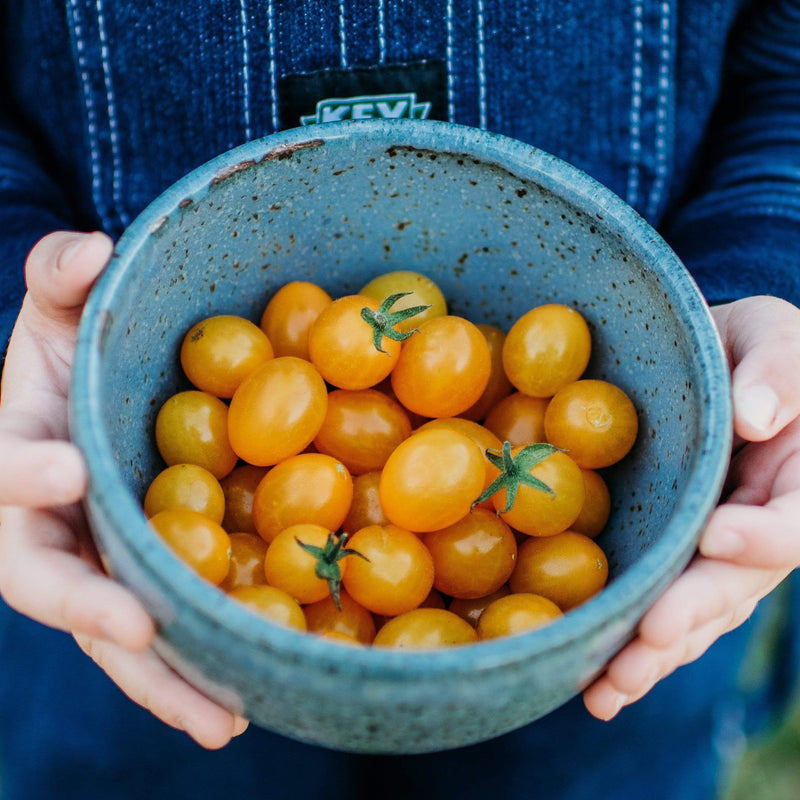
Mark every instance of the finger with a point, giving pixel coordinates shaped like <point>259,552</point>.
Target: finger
<point>762,335</point>
<point>150,683</point>
<point>43,577</point>
<point>61,269</point>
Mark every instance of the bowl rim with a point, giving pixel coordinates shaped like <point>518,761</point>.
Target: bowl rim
<point>649,574</point>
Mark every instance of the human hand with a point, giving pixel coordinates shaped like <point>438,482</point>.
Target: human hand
<point>49,570</point>
<point>752,541</point>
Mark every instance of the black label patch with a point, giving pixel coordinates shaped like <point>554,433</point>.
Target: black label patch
<point>388,91</point>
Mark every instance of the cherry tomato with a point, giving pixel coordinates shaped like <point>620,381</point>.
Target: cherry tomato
<point>518,418</point>
<point>192,428</point>
<point>341,345</point>
<point>277,411</point>
<point>422,291</point>
<point>594,420</point>
<point>474,557</point>
<point>567,568</point>
<point>362,428</point>
<point>351,619</point>
<point>443,368</point>
<point>538,512</point>
<point>247,561</point>
<point>239,487</point>
<point>433,600</point>
<point>472,608</point>
<point>272,604</point>
<point>218,353</point>
<point>290,566</point>
<point>498,385</point>
<point>197,540</point>
<point>289,315</point>
<point>431,480</point>
<point>309,487</point>
<point>395,573</point>
<point>596,507</point>
<point>365,508</point>
<point>516,613</point>
<point>337,637</point>
<point>185,486</point>
<point>547,348</point>
<point>425,629</point>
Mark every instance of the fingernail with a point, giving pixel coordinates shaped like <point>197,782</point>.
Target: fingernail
<point>240,725</point>
<point>71,250</point>
<point>757,405</point>
<point>619,701</point>
<point>723,543</point>
<point>58,486</point>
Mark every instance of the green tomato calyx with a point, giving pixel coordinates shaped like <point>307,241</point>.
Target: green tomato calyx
<point>516,471</point>
<point>328,558</point>
<point>383,320</point>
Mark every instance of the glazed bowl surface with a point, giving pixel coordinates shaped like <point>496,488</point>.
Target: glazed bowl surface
<point>501,227</point>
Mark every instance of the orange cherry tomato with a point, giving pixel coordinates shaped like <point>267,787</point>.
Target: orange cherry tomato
<point>272,604</point>
<point>538,512</point>
<point>567,568</point>
<point>247,561</point>
<point>516,613</point>
<point>365,508</point>
<point>341,345</point>
<point>192,428</point>
<point>239,487</point>
<point>420,289</point>
<point>218,353</point>
<point>309,487</point>
<point>443,369</point>
<point>351,619</point>
<point>362,428</point>
<point>431,480</point>
<point>594,420</point>
<point>277,411</point>
<point>596,507</point>
<point>395,573</point>
<point>474,557</point>
<point>291,567</point>
<point>471,609</point>
<point>547,348</point>
<point>289,315</point>
<point>196,540</point>
<point>425,629</point>
<point>498,385</point>
<point>518,418</point>
<point>185,486</point>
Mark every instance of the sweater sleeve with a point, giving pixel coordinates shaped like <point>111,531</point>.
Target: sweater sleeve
<point>738,231</point>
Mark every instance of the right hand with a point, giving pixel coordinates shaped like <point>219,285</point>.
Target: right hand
<point>49,569</point>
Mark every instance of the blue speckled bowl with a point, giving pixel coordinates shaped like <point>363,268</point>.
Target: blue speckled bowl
<point>501,227</point>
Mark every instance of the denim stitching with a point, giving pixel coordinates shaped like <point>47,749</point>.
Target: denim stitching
<point>91,114</point>
<point>273,87</point>
<point>661,111</point>
<point>245,69</point>
<point>342,38</point>
<point>116,159</point>
<point>451,96</point>
<point>481,69</point>
<point>636,103</point>
<point>381,32</point>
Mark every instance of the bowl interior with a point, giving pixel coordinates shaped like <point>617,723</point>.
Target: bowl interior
<point>500,226</point>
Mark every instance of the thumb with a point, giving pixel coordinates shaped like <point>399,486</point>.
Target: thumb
<point>762,339</point>
<point>61,269</point>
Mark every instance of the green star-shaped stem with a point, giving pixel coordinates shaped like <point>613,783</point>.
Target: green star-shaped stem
<point>328,559</point>
<point>383,320</point>
<point>516,470</point>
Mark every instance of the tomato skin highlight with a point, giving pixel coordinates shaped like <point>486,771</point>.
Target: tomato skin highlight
<point>547,348</point>
<point>185,486</point>
<point>443,369</point>
<point>431,480</point>
<point>271,603</point>
<point>247,561</point>
<point>289,315</point>
<point>277,411</point>
<point>516,613</point>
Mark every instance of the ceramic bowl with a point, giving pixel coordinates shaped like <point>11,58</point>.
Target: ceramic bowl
<point>501,227</point>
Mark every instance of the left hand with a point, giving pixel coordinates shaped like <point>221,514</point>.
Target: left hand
<point>752,541</point>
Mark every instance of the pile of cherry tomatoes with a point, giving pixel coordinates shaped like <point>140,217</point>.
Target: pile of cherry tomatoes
<point>378,471</point>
